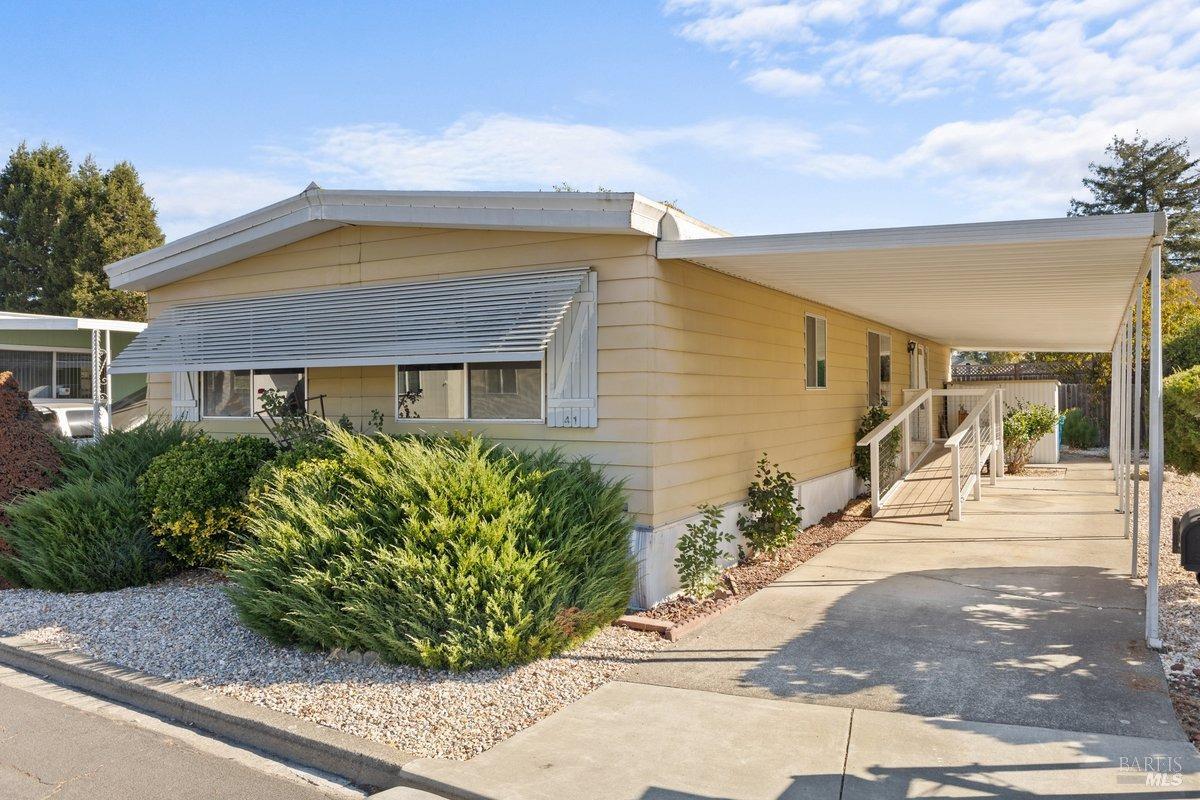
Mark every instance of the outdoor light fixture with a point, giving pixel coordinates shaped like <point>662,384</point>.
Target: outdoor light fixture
<point>912,347</point>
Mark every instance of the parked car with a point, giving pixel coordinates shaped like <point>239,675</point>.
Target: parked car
<point>71,420</point>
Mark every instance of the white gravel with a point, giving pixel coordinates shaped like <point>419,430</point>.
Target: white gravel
<point>186,629</point>
<point>1179,593</point>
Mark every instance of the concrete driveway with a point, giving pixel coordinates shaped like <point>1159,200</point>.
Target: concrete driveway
<point>999,656</point>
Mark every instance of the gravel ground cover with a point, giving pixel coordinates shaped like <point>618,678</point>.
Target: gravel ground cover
<point>743,580</point>
<point>185,629</point>
<point>1179,596</point>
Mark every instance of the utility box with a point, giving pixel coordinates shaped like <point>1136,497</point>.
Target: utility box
<point>1185,539</point>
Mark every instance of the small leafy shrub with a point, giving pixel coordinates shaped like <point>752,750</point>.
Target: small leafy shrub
<point>889,446</point>
<point>1181,420</point>
<point>1024,425</point>
<point>90,532</point>
<point>1079,431</point>
<point>444,552</point>
<point>699,553</point>
<point>83,536</point>
<point>773,515</point>
<point>1182,351</point>
<point>193,494</point>
<point>30,461</point>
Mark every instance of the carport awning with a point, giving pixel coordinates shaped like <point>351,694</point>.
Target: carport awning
<point>1050,284</point>
<point>481,318</point>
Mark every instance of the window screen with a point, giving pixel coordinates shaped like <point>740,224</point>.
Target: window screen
<point>815,352</point>
<point>73,376</point>
<point>32,370</point>
<point>506,391</point>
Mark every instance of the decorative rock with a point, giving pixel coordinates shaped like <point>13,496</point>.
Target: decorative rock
<point>1177,666</point>
<point>185,628</point>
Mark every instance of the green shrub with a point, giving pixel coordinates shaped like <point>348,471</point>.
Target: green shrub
<point>448,553</point>
<point>1024,425</point>
<point>1181,420</point>
<point>1079,431</point>
<point>122,455</point>
<point>83,536</point>
<point>889,446</point>
<point>699,553</point>
<point>90,533</point>
<point>1182,351</point>
<point>773,515</point>
<point>193,494</point>
<point>306,449</point>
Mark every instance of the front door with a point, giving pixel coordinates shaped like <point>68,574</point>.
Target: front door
<point>918,378</point>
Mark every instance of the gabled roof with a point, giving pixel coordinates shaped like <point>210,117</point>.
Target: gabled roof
<point>16,321</point>
<point>316,210</point>
<point>1060,284</point>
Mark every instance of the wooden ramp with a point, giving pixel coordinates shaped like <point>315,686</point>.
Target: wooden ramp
<point>925,493</point>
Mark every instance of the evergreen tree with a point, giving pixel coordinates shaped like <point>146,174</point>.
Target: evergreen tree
<point>1146,176</point>
<point>35,187</point>
<point>58,229</point>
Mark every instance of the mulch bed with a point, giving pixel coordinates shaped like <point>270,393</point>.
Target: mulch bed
<point>742,580</point>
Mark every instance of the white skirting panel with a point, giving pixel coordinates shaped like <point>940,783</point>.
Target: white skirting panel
<point>655,548</point>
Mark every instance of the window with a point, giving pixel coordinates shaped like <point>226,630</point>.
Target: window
<point>434,391</point>
<point>238,393</point>
<point>879,368</point>
<point>505,390</point>
<point>508,391</point>
<point>49,374</point>
<point>73,375</point>
<point>815,352</point>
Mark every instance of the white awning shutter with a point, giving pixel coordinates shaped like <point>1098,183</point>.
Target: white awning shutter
<point>491,318</point>
<point>185,396</point>
<point>571,364</point>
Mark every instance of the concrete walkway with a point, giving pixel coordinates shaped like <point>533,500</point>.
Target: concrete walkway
<point>999,656</point>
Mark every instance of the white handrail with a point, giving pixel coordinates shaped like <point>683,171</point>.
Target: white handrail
<point>986,440</point>
<point>895,419</point>
<point>899,418</point>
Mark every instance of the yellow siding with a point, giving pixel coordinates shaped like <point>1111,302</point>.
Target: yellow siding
<point>699,372</point>
<point>728,384</point>
<point>357,255</point>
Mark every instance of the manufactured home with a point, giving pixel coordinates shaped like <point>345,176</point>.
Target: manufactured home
<point>613,327</point>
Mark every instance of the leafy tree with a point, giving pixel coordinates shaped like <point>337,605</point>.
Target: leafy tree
<point>1183,351</point>
<point>59,228</point>
<point>1150,176</point>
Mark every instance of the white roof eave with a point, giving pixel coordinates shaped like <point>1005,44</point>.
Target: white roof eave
<point>14,321</point>
<point>1060,284</point>
<point>315,211</point>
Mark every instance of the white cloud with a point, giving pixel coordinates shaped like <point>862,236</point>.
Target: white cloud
<point>755,26</point>
<point>984,16</point>
<point>783,82</point>
<point>1064,75</point>
<point>477,152</point>
<point>191,200</point>
<point>912,66</point>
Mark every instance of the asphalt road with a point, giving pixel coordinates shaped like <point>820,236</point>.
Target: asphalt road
<point>58,743</point>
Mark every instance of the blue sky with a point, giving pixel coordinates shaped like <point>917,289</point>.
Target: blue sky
<point>758,117</point>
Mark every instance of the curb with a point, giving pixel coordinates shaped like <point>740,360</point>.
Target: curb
<point>273,733</point>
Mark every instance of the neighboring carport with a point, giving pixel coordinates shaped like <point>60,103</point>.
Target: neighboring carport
<point>1071,284</point>
<point>100,337</point>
